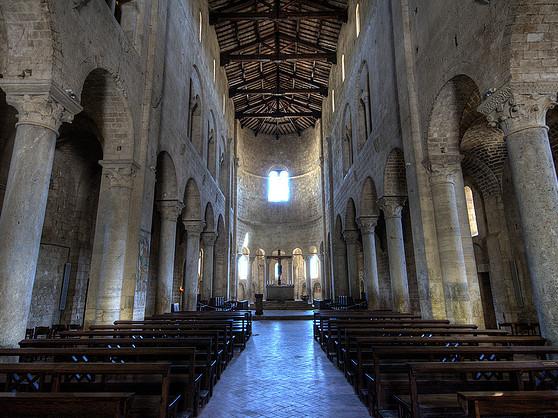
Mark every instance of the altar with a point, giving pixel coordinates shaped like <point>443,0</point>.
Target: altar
<point>275,292</point>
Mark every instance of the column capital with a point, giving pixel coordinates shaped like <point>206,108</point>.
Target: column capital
<point>351,236</point>
<point>443,168</point>
<point>519,107</point>
<point>119,173</point>
<point>193,227</point>
<point>170,209</point>
<point>41,103</point>
<point>367,224</point>
<point>392,206</point>
<point>209,238</point>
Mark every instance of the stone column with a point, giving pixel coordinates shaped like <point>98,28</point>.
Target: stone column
<point>468,250</point>
<point>208,241</point>
<point>351,241</point>
<point>323,277</point>
<point>267,276</point>
<point>290,275</point>
<point>367,227</point>
<point>450,246</point>
<point>392,207</point>
<point>193,232</point>
<point>169,211</point>
<point>41,110</point>
<point>521,115</point>
<point>250,278</point>
<point>111,238</point>
<point>307,261</point>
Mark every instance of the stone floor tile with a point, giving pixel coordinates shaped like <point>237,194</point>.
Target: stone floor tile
<point>283,373</point>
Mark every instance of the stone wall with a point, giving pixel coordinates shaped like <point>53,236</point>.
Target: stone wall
<point>271,226</point>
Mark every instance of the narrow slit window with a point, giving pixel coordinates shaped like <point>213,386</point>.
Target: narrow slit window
<point>201,27</point>
<point>471,211</point>
<point>343,67</point>
<point>278,186</point>
<point>357,19</point>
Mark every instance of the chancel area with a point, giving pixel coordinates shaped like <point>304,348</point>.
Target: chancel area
<point>278,208</point>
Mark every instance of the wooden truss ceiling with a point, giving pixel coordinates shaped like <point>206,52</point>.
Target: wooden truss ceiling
<point>278,55</point>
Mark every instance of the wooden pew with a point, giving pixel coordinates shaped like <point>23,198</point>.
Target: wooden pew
<point>152,380</point>
<point>434,386</point>
<point>183,360</point>
<point>382,372</point>
<point>206,361</point>
<point>65,405</point>
<point>525,403</point>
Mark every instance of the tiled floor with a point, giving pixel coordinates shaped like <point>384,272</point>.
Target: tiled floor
<point>283,373</point>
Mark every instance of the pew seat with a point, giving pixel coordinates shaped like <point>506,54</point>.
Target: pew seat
<point>522,403</point>
<point>65,405</point>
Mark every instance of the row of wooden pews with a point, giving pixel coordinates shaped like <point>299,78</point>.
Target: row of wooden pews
<point>403,366</point>
<point>164,366</point>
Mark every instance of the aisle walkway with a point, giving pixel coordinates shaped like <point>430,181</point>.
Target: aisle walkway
<point>283,373</point>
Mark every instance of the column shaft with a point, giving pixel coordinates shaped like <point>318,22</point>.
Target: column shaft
<point>534,179</point>
<point>169,211</point>
<point>450,246</point>
<point>371,280</point>
<point>351,238</point>
<point>190,296</point>
<point>208,279</point>
<point>392,208</point>
<point>111,237</point>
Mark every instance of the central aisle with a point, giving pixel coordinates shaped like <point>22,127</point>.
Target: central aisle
<point>283,373</point>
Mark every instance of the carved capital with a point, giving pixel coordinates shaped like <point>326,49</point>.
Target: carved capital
<point>209,238</point>
<point>350,236</point>
<point>170,209</point>
<point>367,224</point>
<point>119,173</point>
<point>392,206</point>
<point>514,109</point>
<point>193,227</point>
<point>40,103</point>
<point>443,168</point>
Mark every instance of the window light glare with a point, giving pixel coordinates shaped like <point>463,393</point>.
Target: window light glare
<point>278,186</point>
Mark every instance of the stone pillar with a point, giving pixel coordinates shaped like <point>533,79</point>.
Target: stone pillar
<point>41,110</point>
<point>367,227</point>
<point>521,115</point>
<point>193,232</point>
<point>169,211</point>
<point>267,280</point>
<point>208,241</point>
<point>351,241</point>
<point>468,250</point>
<point>250,278</point>
<point>307,261</point>
<point>392,207</point>
<point>290,274</point>
<point>450,246</point>
<point>323,277</point>
<point>111,239</point>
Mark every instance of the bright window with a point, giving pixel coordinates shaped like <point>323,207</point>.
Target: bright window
<point>243,268</point>
<point>214,71</point>
<point>343,67</point>
<point>471,211</point>
<point>278,186</point>
<point>357,19</point>
<point>333,101</point>
<point>201,27</point>
<point>314,267</point>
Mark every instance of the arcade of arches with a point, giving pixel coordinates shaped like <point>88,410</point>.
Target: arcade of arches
<point>397,152</point>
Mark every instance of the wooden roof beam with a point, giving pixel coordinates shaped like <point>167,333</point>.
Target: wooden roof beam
<point>279,115</point>
<point>220,17</point>
<point>233,91</point>
<point>330,57</point>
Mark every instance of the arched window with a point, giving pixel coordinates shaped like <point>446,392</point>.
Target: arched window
<point>243,267</point>
<point>357,19</point>
<point>201,27</point>
<point>314,267</point>
<point>278,186</point>
<point>471,211</point>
